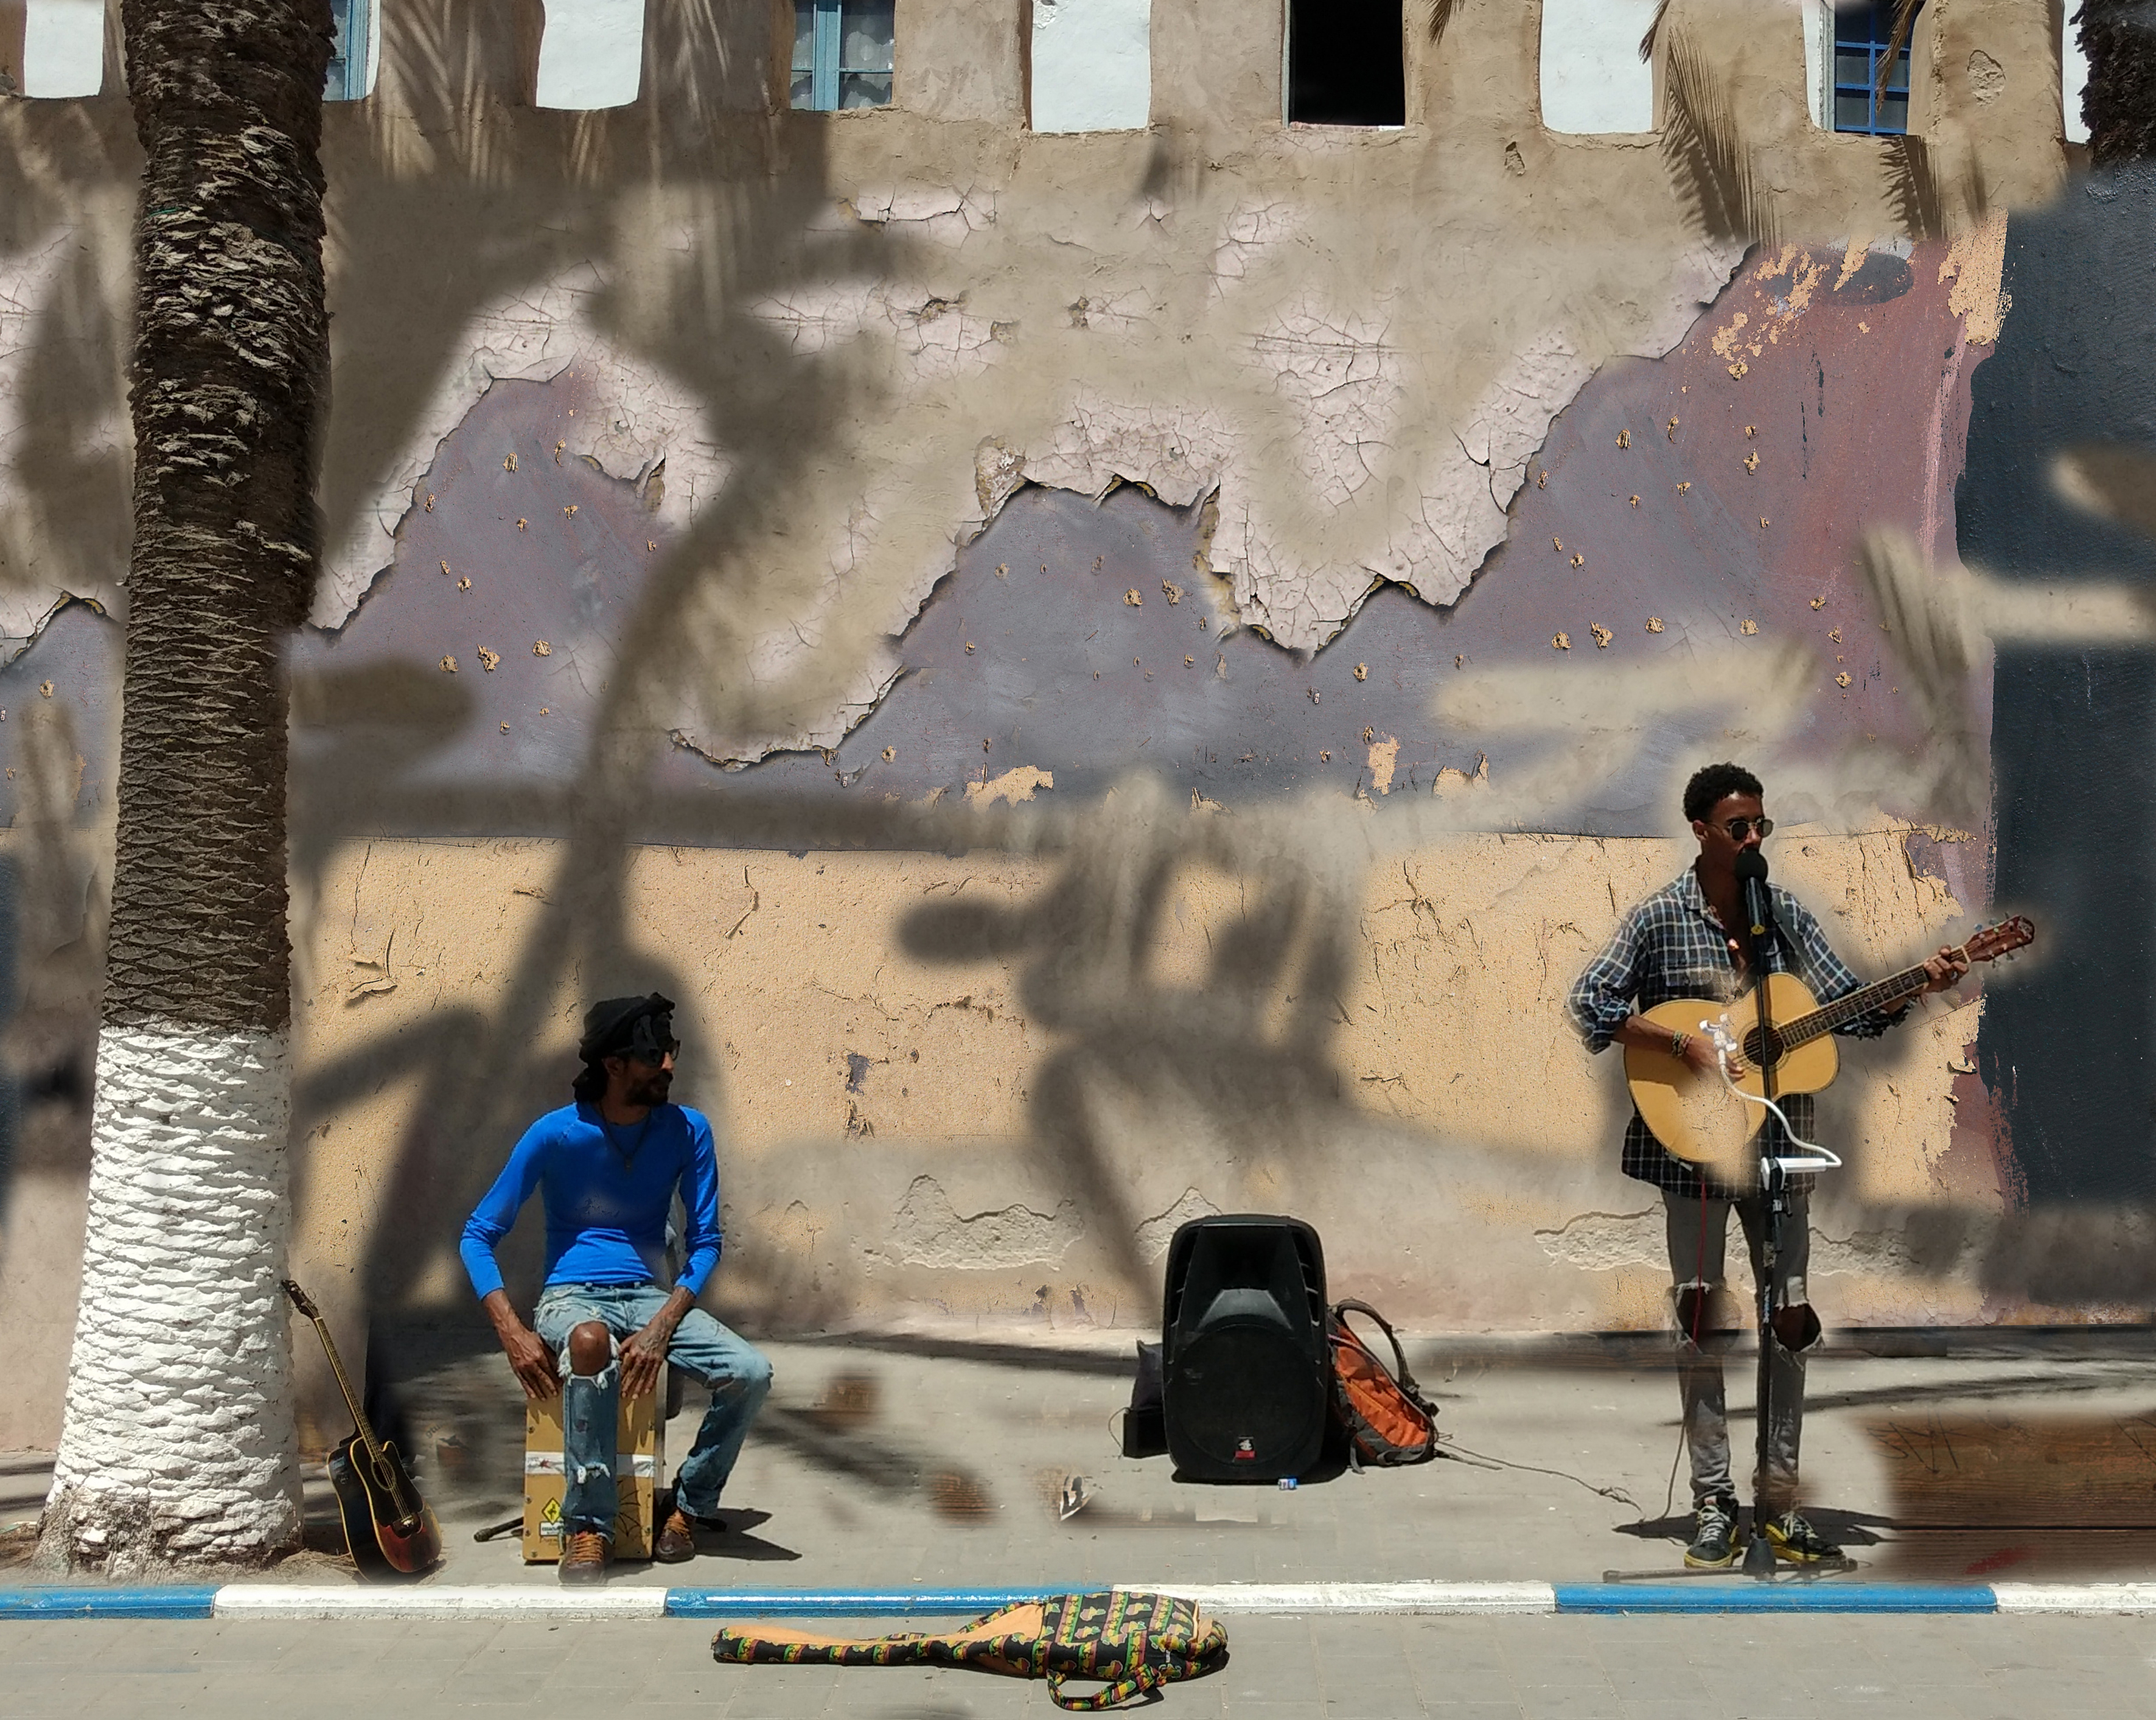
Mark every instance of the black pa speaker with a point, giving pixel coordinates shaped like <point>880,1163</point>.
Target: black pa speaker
<point>1247,1373</point>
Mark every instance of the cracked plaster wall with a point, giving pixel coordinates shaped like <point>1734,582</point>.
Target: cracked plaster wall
<point>1353,341</point>
<point>1208,308</point>
<point>885,1151</point>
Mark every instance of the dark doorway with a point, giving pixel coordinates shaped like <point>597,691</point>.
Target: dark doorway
<point>1345,63</point>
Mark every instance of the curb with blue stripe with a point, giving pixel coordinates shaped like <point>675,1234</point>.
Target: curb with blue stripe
<point>270,1600</point>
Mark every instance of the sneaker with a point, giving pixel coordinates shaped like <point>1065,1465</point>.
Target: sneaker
<point>585,1556</point>
<point>1714,1535</point>
<point>1797,1542</point>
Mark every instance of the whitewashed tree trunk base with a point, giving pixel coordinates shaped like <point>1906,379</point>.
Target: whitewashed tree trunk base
<point>177,1446</point>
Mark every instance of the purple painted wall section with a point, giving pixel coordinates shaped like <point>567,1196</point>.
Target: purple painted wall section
<point>1821,405</point>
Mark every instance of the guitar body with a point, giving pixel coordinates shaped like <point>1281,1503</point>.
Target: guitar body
<point>384,1538</point>
<point>1697,1116</point>
<point>387,1527</point>
<point>353,1511</point>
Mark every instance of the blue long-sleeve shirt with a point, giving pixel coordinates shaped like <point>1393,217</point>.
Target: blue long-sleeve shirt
<point>606,1191</point>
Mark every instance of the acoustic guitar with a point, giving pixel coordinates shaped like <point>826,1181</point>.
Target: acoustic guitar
<point>386,1524</point>
<point>1699,1119</point>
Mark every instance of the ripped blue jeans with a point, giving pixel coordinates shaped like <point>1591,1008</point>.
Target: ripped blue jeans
<point>738,1375</point>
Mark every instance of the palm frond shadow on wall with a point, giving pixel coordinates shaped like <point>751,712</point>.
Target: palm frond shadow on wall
<point>1704,146</point>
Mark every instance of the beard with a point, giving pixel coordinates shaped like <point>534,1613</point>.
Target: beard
<point>650,1088</point>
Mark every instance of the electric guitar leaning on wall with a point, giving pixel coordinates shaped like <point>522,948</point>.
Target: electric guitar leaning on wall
<point>1699,1119</point>
<point>386,1524</point>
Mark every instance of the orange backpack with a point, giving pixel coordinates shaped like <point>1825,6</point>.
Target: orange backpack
<point>1389,1419</point>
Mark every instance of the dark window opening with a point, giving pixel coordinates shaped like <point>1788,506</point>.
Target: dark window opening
<point>1345,64</point>
<point>1861,34</point>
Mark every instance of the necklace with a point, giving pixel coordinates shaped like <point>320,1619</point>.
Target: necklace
<point>628,1157</point>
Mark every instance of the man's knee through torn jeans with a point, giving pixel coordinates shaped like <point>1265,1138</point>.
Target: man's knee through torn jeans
<point>739,1378</point>
<point>1707,1322</point>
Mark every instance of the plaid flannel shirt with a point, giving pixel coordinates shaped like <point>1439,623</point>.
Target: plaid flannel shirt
<point>1673,946</point>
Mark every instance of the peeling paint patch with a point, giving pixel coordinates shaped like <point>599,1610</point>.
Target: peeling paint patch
<point>1012,787</point>
<point>1384,756</point>
<point>928,1230</point>
<point>637,424</point>
<point>947,216</point>
<point>1248,232</point>
<point>1975,263</point>
<point>1345,379</point>
<point>1603,1241</point>
<point>1157,1232</point>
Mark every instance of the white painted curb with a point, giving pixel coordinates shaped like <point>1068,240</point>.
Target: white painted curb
<point>1418,1597</point>
<point>245,1600</point>
<point>2075,1597</point>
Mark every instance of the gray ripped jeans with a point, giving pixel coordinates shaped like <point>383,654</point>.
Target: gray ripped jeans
<point>1697,1233</point>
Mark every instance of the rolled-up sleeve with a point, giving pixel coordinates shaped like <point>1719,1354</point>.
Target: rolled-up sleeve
<point>1601,999</point>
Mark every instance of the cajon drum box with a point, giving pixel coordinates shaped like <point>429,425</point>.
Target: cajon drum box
<point>639,1450</point>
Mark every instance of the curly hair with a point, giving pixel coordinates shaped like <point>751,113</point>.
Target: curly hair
<point>1712,785</point>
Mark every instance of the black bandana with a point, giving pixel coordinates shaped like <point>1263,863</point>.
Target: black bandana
<point>628,1027</point>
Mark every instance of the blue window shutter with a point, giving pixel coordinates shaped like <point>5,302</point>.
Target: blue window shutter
<point>348,78</point>
<point>828,42</point>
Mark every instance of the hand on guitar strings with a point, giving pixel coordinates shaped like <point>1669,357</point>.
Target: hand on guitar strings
<point>1948,968</point>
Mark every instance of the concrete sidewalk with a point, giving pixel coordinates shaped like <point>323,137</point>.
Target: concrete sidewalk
<point>1279,1669</point>
<point>873,1466</point>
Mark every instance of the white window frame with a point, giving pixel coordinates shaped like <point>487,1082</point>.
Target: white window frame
<point>590,55</point>
<point>1819,61</point>
<point>2073,75</point>
<point>1075,87</point>
<point>1571,113</point>
<point>54,50</point>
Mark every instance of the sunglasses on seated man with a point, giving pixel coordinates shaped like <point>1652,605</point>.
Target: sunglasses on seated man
<point>1739,829</point>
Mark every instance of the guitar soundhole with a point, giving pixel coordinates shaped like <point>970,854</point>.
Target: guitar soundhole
<point>1762,1048</point>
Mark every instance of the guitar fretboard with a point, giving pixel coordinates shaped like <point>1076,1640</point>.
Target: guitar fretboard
<point>1880,994</point>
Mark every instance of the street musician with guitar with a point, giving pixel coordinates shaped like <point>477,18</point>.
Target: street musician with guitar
<point>1686,942</point>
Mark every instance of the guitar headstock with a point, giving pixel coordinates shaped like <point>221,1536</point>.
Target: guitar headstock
<point>1988,943</point>
<point>301,1301</point>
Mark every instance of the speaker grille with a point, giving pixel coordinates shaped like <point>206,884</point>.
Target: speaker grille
<point>1245,1394</point>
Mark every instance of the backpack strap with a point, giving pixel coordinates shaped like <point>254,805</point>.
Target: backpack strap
<point>1341,1310</point>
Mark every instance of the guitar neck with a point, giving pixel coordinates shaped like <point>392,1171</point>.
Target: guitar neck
<point>351,1398</point>
<point>1880,994</point>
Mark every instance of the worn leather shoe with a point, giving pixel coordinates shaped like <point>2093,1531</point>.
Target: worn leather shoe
<point>585,1555</point>
<point>677,1538</point>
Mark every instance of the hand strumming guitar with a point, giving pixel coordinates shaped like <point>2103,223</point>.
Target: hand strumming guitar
<point>1697,1051</point>
<point>1699,1055</point>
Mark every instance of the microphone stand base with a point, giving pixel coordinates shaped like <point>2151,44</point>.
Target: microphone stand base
<point>1759,1559</point>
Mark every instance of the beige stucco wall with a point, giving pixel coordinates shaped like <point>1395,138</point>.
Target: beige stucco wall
<point>1382,1053</point>
<point>888,319</point>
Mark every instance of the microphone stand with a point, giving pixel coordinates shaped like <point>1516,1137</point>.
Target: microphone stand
<point>1759,917</point>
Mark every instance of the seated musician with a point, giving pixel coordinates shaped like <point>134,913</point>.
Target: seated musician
<point>607,1167</point>
<point>1683,942</point>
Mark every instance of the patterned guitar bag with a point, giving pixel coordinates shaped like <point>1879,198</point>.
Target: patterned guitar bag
<point>1131,1641</point>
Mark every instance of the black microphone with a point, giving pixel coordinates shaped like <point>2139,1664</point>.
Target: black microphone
<point>1758,902</point>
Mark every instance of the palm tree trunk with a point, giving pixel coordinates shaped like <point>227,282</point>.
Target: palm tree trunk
<point>2119,105</point>
<point>177,1446</point>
